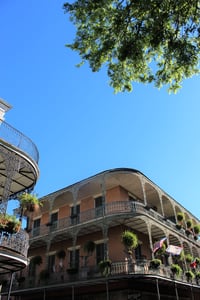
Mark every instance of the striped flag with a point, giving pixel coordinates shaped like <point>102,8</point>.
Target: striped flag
<point>174,250</point>
<point>158,244</point>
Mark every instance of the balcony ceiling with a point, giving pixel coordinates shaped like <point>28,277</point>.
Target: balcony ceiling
<point>24,178</point>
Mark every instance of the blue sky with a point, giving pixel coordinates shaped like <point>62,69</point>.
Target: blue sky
<point>78,124</point>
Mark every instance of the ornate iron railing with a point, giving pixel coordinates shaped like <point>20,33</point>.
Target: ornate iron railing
<point>110,209</point>
<point>14,137</point>
<point>117,269</point>
<point>18,242</point>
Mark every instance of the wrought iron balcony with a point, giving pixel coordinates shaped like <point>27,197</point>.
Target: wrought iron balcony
<point>13,251</point>
<point>14,137</point>
<point>118,269</point>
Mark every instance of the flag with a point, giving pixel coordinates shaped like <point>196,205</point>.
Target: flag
<point>158,244</point>
<point>174,250</point>
<point>193,264</point>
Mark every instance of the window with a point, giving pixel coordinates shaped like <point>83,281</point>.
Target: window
<point>101,250</point>
<point>99,206</point>
<point>36,227</point>
<point>75,214</point>
<point>51,263</point>
<point>74,261</point>
<point>54,221</point>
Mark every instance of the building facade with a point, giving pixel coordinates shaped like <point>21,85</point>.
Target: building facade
<point>76,249</point>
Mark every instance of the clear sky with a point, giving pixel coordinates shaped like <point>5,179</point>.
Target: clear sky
<point>78,124</point>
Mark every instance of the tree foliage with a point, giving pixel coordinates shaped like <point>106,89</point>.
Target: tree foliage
<point>138,41</point>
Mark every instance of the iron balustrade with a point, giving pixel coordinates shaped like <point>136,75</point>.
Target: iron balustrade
<point>14,137</point>
<point>18,242</point>
<point>118,269</point>
<point>110,209</point>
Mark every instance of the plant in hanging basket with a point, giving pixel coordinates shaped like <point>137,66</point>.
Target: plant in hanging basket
<point>188,258</point>
<point>89,247</point>
<point>129,240</point>
<point>180,216</point>
<point>61,254</point>
<point>28,202</point>
<point>36,260</point>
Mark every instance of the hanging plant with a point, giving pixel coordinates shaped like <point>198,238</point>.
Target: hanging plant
<point>129,240</point>
<point>189,223</point>
<point>188,230</point>
<point>28,202</point>
<point>36,260</point>
<point>196,230</point>
<point>89,247</point>
<point>180,216</point>
<point>161,251</point>
<point>61,254</point>
<point>197,276</point>
<point>188,258</point>
<point>176,269</point>
<point>197,260</point>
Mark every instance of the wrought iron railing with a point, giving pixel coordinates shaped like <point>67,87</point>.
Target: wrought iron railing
<point>14,137</point>
<point>110,209</point>
<point>120,268</point>
<point>17,243</point>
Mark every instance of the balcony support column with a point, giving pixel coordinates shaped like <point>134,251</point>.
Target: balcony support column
<point>143,190</point>
<point>12,165</point>
<point>150,238</point>
<point>105,238</point>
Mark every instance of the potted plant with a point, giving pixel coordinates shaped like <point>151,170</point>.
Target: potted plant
<point>9,223</point>
<point>180,218</point>
<point>196,230</point>
<point>89,247</point>
<point>36,260</point>
<point>197,260</point>
<point>129,240</point>
<point>28,202</point>
<point>105,267</point>
<point>176,270</point>
<point>189,275</point>
<point>188,229</point>
<point>155,263</point>
<point>197,277</point>
<point>188,258</point>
